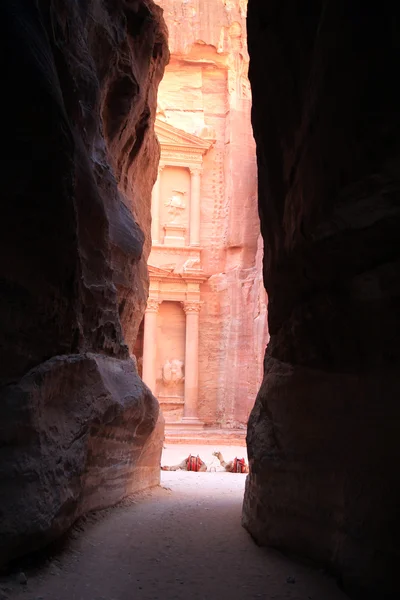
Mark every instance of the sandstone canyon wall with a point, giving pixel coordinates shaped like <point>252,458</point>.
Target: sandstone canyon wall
<point>78,428</point>
<point>323,437</point>
<point>206,92</point>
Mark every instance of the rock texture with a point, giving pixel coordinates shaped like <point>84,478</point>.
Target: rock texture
<point>209,63</point>
<point>323,437</point>
<point>78,429</point>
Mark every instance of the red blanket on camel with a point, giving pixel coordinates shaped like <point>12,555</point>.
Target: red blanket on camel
<point>239,465</point>
<point>193,463</point>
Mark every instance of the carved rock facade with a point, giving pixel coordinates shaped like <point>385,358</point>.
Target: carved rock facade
<point>78,429</point>
<point>206,236</point>
<point>323,437</point>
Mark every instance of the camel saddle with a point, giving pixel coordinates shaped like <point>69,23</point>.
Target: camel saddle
<point>193,463</point>
<point>239,465</point>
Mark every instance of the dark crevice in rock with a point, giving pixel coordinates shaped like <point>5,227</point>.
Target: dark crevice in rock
<point>141,130</point>
<point>137,18</point>
<point>118,105</point>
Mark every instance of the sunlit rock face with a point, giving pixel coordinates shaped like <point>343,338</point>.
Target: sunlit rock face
<point>206,93</point>
<point>323,438</point>
<point>78,429</point>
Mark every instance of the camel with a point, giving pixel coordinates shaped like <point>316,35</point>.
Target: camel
<point>194,463</point>
<point>191,463</point>
<point>237,465</point>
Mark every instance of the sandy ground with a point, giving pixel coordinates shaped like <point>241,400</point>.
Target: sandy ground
<point>182,541</point>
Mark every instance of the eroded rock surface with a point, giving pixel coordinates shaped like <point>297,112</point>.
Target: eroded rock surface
<point>78,429</point>
<point>323,438</point>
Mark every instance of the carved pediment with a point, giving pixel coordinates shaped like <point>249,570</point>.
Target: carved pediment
<point>173,272</point>
<point>170,136</point>
<point>167,270</point>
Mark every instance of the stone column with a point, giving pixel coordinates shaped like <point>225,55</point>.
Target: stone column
<point>150,344</point>
<point>192,310</point>
<point>155,208</point>
<point>195,188</point>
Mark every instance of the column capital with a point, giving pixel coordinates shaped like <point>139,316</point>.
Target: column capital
<point>191,307</point>
<point>152,305</point>
<point>161,168</point>
<point>196,170</point>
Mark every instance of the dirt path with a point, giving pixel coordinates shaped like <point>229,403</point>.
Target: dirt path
<point>181,543</point>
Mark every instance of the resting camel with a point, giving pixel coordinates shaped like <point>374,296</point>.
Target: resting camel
<point>191,463</point>
<point>194,463</point>
<point>237,465</point>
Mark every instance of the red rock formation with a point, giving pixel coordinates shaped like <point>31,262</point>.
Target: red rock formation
<point>77,425</point>
<point>209,61</point>
<point>323,437</point>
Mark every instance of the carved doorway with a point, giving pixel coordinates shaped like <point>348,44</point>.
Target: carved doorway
<point>171,327</point>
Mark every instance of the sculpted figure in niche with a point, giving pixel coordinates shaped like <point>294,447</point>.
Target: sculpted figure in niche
<point>172,373</point>
<point>176,204</point>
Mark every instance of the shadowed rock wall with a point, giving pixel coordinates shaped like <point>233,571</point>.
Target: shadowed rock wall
<point>78,429</point>
<point>323,437</point>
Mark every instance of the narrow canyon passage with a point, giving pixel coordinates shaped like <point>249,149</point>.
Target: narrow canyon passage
<point>139,230</point>
<point>181,541</point>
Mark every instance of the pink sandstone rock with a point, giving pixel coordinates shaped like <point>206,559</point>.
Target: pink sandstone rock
<point>205,92</point>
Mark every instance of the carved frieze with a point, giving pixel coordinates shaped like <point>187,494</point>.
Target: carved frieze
<point>175,155</point>
<point>161,250</point>
<point>153,305</point>
<point>191,307</point>
<point>196,170</point>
